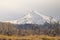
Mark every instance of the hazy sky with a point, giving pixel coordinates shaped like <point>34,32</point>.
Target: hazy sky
<point>12,9</point>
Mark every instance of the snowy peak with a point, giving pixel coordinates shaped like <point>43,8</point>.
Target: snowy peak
<point>28,19</point>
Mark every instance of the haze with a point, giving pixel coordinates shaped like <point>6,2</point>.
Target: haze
<point>13,9</point>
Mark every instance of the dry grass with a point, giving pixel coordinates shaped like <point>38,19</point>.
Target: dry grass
<point>41,37</point>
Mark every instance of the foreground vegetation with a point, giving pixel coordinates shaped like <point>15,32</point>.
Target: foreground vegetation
<point>30,29</point>
<point>46,31</point>
<point>41,37</point>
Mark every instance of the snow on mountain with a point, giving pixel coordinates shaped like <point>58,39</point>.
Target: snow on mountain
<point>47,18</point>
<point>28,19</point>
<point>12,21</point>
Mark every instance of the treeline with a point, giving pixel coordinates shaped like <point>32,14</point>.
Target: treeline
<point>7,29</point>
<point>30,29</point>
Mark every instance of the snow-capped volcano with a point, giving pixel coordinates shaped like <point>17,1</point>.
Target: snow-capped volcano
<point>29,19</point>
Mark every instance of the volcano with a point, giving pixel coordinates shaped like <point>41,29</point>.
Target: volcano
<point>31,19</point>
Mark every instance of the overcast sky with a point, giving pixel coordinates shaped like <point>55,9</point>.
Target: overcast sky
<point>12,9</point>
